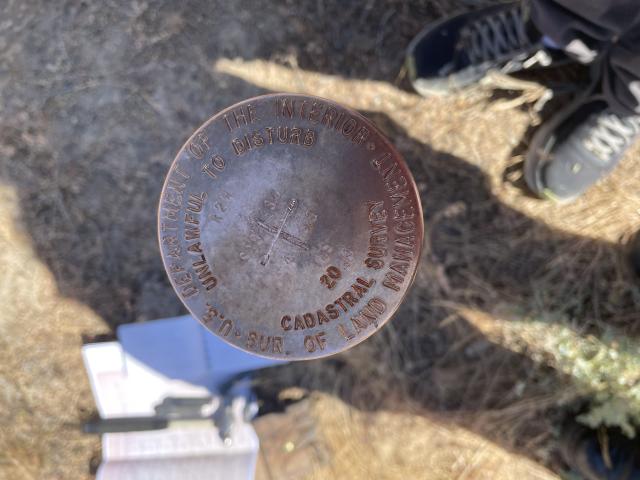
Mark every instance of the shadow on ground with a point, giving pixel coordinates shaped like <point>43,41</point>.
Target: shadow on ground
<point>481,255</point>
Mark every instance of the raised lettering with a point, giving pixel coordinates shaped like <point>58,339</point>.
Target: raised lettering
<point>252,340</point>
<point>309,320</point>
<point>225,327</point>
<point>345,333</point>
<point>309,344</point>
<point>278,345</point>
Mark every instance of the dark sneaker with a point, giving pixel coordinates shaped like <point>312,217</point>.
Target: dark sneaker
<point>633,253</point>
<point>578,147</point>
<point>460,50</point>
<point>610,456</point>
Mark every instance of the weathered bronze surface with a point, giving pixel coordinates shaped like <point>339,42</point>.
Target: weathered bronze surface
<point>290,226</point>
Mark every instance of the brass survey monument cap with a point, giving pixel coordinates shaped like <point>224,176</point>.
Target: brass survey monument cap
<point>290,226</point>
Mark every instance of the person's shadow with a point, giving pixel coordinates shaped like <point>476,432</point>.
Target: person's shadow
<point>479,255</point>
<point>480,258</point>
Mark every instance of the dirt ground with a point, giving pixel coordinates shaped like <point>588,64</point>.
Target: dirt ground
<point>96,98</point>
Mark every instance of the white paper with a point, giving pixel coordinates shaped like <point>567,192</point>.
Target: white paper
<point>169,358</point>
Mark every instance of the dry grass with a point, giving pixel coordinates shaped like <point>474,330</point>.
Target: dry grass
<point>356,445</point>
<point>44,392</point>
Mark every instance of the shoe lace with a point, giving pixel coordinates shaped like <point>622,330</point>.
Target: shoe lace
<point>611,134</point>
<point>496,35</point>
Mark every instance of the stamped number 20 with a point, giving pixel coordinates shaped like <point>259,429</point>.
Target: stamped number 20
<point>330,278</point>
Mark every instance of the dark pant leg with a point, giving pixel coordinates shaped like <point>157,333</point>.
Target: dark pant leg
<point>609,28</point>
<point>621,73</point>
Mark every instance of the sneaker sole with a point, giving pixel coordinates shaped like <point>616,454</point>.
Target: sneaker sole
<point>538,153</point>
